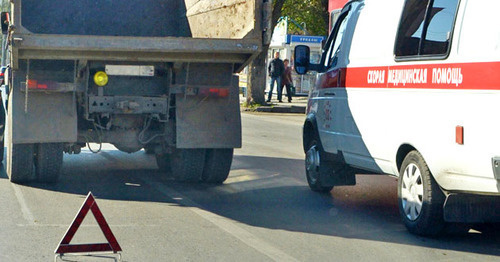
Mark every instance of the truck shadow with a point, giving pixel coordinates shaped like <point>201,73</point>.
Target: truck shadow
<point>263,192</point>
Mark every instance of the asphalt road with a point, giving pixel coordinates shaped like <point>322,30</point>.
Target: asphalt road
<point>264,212</point>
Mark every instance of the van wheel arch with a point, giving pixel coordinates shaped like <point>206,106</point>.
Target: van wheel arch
<point>403,151</point>
<point>309,133</point>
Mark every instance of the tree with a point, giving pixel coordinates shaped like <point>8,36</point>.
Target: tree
<point>314,13</point>
<point>257,68</point>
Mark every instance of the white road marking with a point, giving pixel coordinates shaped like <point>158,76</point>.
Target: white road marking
<point>24,207</point>
<point>223,223</point>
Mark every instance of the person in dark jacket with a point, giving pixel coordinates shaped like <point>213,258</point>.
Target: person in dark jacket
<point>287,81</point>
<point>276,69</point>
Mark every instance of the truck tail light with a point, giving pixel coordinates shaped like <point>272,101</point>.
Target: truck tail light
<point>34,84</point>
<point>52,86</point>
<point>215,92</point>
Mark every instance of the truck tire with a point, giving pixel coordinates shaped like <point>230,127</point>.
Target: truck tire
<point>48,162</point>
<point>187,164</point>
<point>19,166</point>
<point>217,165</point>
<point>420,199</point>
<point>163,162</point>
<point>149,149</point>
<point>317,167</point>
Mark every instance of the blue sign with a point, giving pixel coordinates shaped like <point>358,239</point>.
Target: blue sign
<point>305,39</point>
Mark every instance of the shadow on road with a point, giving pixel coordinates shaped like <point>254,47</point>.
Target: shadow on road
<point>264,192</point>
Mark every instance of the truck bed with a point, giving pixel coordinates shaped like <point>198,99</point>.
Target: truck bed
<point>141,30</point>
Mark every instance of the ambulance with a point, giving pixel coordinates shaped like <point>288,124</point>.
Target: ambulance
<point>411,88</point>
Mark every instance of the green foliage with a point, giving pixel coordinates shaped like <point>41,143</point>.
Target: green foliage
<point>5,6</point>
<point>313,12</point>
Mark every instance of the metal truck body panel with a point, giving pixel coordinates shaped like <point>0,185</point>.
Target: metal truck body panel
<point>140,74</point>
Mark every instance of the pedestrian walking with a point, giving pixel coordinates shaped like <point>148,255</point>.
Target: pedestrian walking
<point>286,81</point>
<point>276,69</point>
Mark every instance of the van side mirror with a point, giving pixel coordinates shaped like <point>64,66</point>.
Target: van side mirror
<point>302,56</point>
<point>4,18</point>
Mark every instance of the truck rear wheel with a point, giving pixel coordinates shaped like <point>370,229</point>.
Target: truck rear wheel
<point>149,149</point>
<point>420,199</point>
<point>163,162</point>
<point>217,165</point>
<point>187,164</point>
<point>48,162</point>
<point>20,162</point>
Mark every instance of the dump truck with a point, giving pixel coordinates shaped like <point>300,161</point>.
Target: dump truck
<point>157,75</point>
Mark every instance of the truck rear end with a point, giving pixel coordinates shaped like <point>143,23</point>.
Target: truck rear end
<point>152,74</point>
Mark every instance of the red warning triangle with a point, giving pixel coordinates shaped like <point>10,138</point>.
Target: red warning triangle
<point>112,245</point>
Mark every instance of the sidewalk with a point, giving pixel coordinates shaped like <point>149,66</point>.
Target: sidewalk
<point>297,106</point>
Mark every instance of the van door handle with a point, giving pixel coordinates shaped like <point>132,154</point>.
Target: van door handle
<point>329,94</point>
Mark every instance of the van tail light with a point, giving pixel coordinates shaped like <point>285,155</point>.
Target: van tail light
<point>214,92</point>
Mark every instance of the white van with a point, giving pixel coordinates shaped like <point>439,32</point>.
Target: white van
<point>411,88</point>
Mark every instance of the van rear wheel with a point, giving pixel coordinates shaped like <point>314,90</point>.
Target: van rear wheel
<point>317,167</point>
<point>420,199</point>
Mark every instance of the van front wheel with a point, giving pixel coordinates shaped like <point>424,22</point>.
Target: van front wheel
<point>420,199</point>
<point>317,167</point>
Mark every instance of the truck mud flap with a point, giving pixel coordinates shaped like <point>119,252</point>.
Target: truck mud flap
<point>42,117</point>
<point>209,122</point>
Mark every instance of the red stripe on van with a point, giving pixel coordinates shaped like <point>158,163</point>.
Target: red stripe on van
<point>466,76</point>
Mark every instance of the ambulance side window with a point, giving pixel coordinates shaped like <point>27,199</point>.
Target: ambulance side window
<point>438,36</point>
<point>410,28</point>
<point>425,29</point>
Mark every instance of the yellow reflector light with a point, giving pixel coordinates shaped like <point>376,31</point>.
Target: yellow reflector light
<point>100,78</point>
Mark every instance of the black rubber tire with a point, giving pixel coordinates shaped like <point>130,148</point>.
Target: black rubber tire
<point>217,165</point>
<point>48,162</point>
<point>187,164</point>
<point>19,166</point>
<point>163,162</point>
<point>429,221</point>
<point>149,150</point>
<point>324,168</point>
